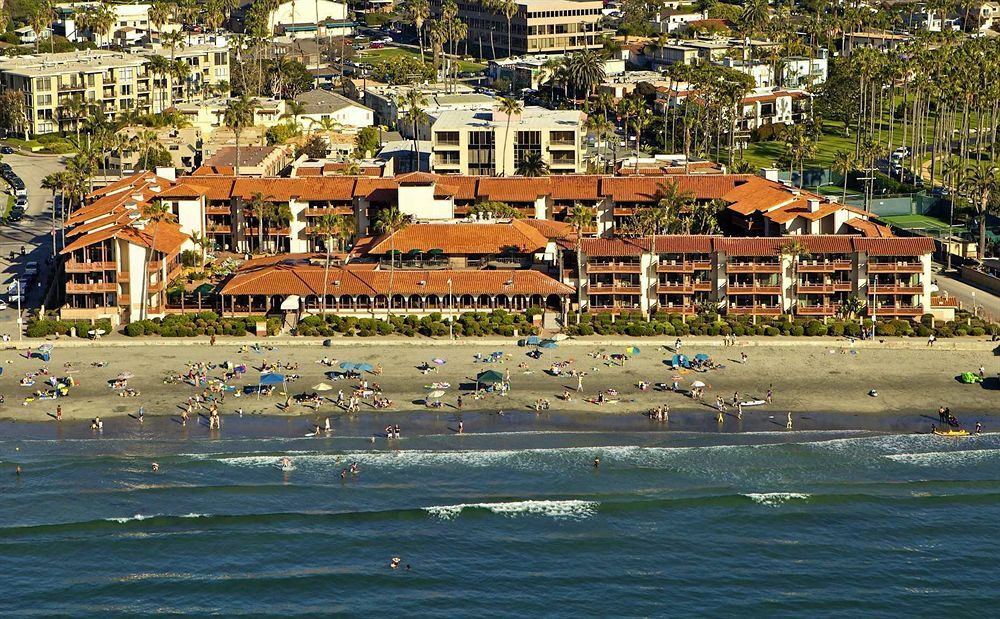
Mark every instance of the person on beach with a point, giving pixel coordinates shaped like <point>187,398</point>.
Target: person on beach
<point>743,357</point>
<point>458,402</point>
<point>461,427</point>
<point>59,413</point>
<point>142,413</point>
<point>788,424</point>
<point>327,426</point>
<point>979,428</point>
<point>770,394</point>
<point>579,383</point>
<point>739,411</point>
<point>941,414</point>
<point>931,339</point>
<point>720,417</point>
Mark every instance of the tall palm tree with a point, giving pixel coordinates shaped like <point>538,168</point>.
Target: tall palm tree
<point>413,100</point>
<point>954,171</point>
<point>981,182</point>
<point>643,118</point>
<point>844,163</point>
<point>390,221</point>
<point>580,217</point>
<point>238,116</point>
<point>601,128</point>
<point>508,8</point>
<point>200,241</point>
<point>586,69</point>
<point>326,228</point>
<point>417,12</point>
<point>154,213</point>
<point>280,214</point>
<point>509,107</point>
<point>259,206</point>
<point>74,108</point>
<point>532,164</point>
<point>294,109</point>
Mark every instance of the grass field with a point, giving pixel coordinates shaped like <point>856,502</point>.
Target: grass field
<point>916,222</point>
<point>387,53</point>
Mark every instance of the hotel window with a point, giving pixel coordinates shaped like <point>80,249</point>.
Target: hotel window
<point>527,142</point>
<point>447,138</point>
<point>43,83</point>
<point>563,138</point>
<point>481,152</point>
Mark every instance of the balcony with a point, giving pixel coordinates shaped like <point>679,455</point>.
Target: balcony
<point>816,310</point>
<point>675,288</point>
<point>73,288</point>
<point>898,310</point>
<point>154,265</point>
<point>753,289</point>
<point>624,289</point>
<point>895,289</point>
<point>895,267</point>
<point>826,266</point>
<point>156,287</point>
<point>329,210</point>
<point>72,266</point>
<point>684,267</point>
<point>124,277</point>
<point>703,286</point>
<point>753,267</point>
<point>560,143</point>
<point>677,308</point>
<point>220,229</point>
<point>754,310</point>
<point>217,210</point>
<point>614,267</point>
<point>613,309</point>
<point>124,299</point>
<point>815,288</point>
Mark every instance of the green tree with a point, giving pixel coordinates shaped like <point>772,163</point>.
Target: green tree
<point>844,163</point>
<point>390,221</point>
<point>154,214</point>
<point>532,164</point>
<point>367,142</point>
<point>580,217</point>
<point>413,100</point>
<point>509,107</point>
<point>258,206</point>
<point>981,183</point>
<point>238,116</point>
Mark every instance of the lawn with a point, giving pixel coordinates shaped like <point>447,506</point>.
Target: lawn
<point>388,53</point>
<point>916,222</point>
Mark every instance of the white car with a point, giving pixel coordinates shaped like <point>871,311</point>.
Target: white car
<point>3,306</point>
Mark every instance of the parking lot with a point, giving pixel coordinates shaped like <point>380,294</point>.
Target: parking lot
<point>29,228</point>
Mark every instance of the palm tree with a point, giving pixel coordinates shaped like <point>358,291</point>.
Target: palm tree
<point>586,70</point>
<point>180,70</point>
<point>39,19</point>
<point>75,108</point>
<point>200,241</point>
<point>326,228</point>
<point>532,164</point>
<point>159,14</point>
<point>259,206</point>
<point>844,163</point>
<point>280,215</point>
<point>294,109</point>
<point>240,115</point>
<point>508,8</point>
<point>954,171</point>
<point>981,183</point>
<point>413,99</point>
<point>154,213</point>
<point>417,11</point>
<point>173,40</point>
<point>601,127</point>
<point>509,107</point>
<point>159,66</point>
<point>643,118</point>
<point>580,217</point>
<point>390,221</point>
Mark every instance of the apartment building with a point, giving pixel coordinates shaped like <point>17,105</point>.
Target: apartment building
<point>811,276</point>
<point>450,231</point>
<point>538,27</point>
<point>131,24</point>
<point>490,143</point>
<point>116,82</point>
<point>182,144</point>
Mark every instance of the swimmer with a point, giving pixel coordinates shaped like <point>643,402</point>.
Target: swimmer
<point>597,463</point>
<point>373,440</point>
<point>17,471</point>
<point>327,427</point>
<point>394,563</point>
<point>156,467</point>
<point>461,427</point>
<point>343,474</point>
<point>979,428</point>
<point>286,463</point>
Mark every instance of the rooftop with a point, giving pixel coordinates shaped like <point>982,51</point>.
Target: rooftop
<point>531,117</point>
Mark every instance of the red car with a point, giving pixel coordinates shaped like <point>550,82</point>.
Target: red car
<point>377,45</point>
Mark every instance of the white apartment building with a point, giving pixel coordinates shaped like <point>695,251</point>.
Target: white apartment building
<point>131,23</point>
<point>489,143</point>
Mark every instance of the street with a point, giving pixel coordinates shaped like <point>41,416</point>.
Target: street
<point>988,304</point>
<point>33,232</point>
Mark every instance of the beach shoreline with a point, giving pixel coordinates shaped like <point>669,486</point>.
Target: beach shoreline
<point>806,376</point>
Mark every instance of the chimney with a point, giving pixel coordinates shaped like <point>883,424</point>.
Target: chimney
<point>770,174</point>
<point>813,204</point>
<point>168,173</point>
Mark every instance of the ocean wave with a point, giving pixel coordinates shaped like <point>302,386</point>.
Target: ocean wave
<point>560,510</point>
<point>944,458</point>
<point>134,518</point>
<point>773,499</point>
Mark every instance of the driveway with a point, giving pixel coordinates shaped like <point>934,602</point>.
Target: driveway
<point>33,232</point>
<point>988,304</point>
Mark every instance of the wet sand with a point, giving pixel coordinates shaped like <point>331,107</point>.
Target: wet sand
<point>807,377</point>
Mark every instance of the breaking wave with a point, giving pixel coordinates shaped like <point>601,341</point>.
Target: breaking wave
<point>560,510</point>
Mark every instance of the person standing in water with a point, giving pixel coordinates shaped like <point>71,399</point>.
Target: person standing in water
<point>788,424</point>
<point>461,427</point>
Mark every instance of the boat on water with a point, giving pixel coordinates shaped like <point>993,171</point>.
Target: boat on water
<point>958,432</point>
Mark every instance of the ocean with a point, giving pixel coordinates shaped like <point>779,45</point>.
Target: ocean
<point>510,519</point>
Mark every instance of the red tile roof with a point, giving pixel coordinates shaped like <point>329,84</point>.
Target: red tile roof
<point>570,187</point>
<point>869,228</point>
<point>513,189</point>
<point>898,246</point>
<point>614,248</point>
<point>681,244</point>
<point>463,238</point>
<point>335,188</point>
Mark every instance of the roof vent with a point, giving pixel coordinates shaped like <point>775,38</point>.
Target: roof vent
<point>422,282</point>
<point>336,282</point>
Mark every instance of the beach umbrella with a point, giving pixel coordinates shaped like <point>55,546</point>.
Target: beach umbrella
<point>435,252</point>
<point>45,348</point>
<point>633,350</point>
<point>558,337</point>
<point>364,367</point>
<point>435,394</point>
<point>548,344</point>
<point>697,384</point>
<point>489,377</point>
<point>348,365</point>
<point>270,379</point>
<point>701,357</point>
<point>204,289</point>
<point>322,387</point>
<point>534,340</point>
<point>439,362</point>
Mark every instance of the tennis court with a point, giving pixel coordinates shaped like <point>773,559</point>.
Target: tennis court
<point>916,222</point>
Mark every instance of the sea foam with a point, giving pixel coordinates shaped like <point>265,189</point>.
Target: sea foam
<point>944,458</point>
<point>560,510</point>
<point>773,499</point>
<point>134,518</point>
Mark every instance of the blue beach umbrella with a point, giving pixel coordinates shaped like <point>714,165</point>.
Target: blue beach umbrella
<point>364,367</point>
<point>633,350</point>
<point>348,365</point>
<point>701,357</point>
<point>270,379</point>
<point>548,344</point>
<point>534,340</point>
<point>681,361</point>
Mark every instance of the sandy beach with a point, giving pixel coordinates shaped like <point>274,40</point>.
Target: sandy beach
<point>807,376</point>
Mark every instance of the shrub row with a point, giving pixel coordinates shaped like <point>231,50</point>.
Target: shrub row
<point>636,324</point>
<point>45,328</point>
<point>202,323</point>
<point>497,322</point>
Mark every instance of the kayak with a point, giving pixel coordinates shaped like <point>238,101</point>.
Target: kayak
<point>951,432</point>
<point>754,403</point>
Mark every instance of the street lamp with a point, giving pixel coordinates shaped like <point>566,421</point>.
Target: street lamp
<point>451,312</point>
<point>20,321</point>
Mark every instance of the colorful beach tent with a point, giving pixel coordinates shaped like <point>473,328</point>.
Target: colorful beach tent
<point>701,357</point>
<point>548,344</point>
<point>534,340</point>
<point>269,379</point>
<point>681,361</point>
<point>633,350</point>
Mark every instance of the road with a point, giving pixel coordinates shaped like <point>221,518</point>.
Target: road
<point>33,232</point>
<point>988,304</point>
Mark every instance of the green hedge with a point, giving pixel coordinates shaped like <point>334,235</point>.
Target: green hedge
<point>636,324</point>
<point>45,328</point>
<point>497,322</point>
<point>202,323</point>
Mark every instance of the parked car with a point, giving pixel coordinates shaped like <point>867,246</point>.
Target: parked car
<point>31,268</point>
<point>21,201</point>
<point>376,45</point>
<point>7,150</point>
<point>15,216</point>
<point>3,306</point>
